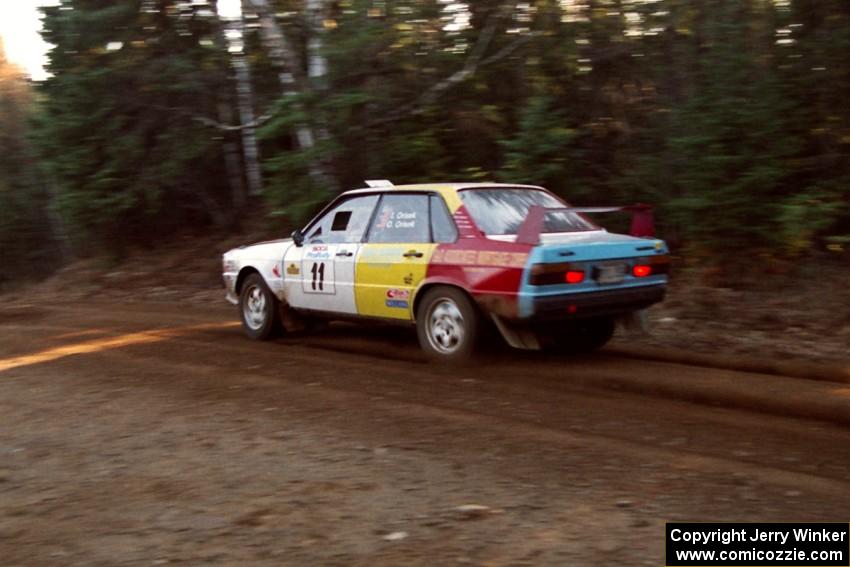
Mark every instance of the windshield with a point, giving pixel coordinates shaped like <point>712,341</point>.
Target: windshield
<point>503,210</point>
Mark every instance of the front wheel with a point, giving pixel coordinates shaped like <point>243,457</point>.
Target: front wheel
<point>258,308</point>
<point>447,324</point>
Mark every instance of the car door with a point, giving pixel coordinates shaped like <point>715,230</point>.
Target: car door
<point>395,257</point>
<point>319,275</point>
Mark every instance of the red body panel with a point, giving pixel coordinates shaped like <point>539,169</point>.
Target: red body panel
<point>490,270</point>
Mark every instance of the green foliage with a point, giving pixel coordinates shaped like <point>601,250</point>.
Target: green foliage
<point>543,149</point>
<point>116,131</point>
<point>729,116</point>
<point>805,215</point>
<point>27,247</point>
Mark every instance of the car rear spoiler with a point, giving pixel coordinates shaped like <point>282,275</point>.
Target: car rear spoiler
<point>643,225</point>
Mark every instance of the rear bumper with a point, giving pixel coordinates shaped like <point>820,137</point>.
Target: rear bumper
<point>596,303</point>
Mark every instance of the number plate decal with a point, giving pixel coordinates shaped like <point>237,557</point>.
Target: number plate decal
<point>610,273</point>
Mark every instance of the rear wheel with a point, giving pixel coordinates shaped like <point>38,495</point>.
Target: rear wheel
<point>258,308</point>
<point>447,324</point>
<point>576,337</point>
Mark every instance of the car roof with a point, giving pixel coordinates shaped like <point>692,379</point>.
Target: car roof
<point>438,187</point>
<point>447,190</point>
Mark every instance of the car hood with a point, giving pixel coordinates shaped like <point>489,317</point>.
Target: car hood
<point>266,249</point>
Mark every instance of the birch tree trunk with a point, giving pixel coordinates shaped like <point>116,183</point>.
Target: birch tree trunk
<point>291,76</point>
<point>317,65</point>
<point>250,148</point>
<point>232,163</point>
<point>245,104</point>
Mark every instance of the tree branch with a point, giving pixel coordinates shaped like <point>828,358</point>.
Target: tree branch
<point>207,121</point>
<point>473,63</point>
<point>258,121</point>
<point>510,48</point>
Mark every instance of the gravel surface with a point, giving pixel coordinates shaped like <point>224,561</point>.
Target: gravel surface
<point>122,445</point>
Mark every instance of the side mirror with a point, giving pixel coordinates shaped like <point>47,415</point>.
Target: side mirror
<point>298,237</point>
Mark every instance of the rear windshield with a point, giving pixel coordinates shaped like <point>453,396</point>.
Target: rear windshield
<point>503,210</point>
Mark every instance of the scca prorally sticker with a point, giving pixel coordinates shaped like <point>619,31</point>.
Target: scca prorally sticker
<point>318,252</point>
<point>398,303</point>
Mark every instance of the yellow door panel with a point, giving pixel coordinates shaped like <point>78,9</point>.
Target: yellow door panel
<point>386,276</point>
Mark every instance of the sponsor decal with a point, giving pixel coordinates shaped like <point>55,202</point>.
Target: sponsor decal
<point>466,257</point>
<point>399,303</point>
<point>480,258</point>
<point>293,270</point>
<point>509,259</point>
<point>398,294</point>
<point>318,252</point>
<point>408,279</point>
<point>276,271</point>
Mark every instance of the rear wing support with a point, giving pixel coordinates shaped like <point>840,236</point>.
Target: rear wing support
<point>643,224</point>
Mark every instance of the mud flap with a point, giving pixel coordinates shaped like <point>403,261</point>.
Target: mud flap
<point>635,322</point>
<point>518,336</point>
<point>290,320</point>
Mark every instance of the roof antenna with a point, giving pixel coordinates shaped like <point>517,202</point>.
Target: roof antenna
<point>379,183</point>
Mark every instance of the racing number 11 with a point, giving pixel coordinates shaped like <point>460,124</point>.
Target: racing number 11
<point>318,271</point>
<point>318,275</point>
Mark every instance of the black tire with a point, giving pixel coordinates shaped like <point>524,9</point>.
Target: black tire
<point>258,309</point>
<point>447,324</point>
<point>577,337</point>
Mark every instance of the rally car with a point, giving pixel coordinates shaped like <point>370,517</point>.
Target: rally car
<point>452,259</point>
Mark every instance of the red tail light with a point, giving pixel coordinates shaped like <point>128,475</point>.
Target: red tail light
<point>651,266</point>
<point>574,276</point>
<point>555,274</point>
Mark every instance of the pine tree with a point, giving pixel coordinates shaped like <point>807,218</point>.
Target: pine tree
<point>122,127</point>
<point>27,247</point>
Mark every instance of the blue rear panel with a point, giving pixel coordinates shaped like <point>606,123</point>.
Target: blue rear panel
<point>592,252</point>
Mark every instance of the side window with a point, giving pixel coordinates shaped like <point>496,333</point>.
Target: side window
<point>401,218</point>
<point>345,223</point>
<point>442,225</point>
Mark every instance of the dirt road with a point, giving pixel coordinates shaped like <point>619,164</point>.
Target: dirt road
<point>152,434</point>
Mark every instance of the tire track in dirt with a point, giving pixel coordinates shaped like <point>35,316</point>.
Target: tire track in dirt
<point>528,411</point>
<point>506,388</point>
